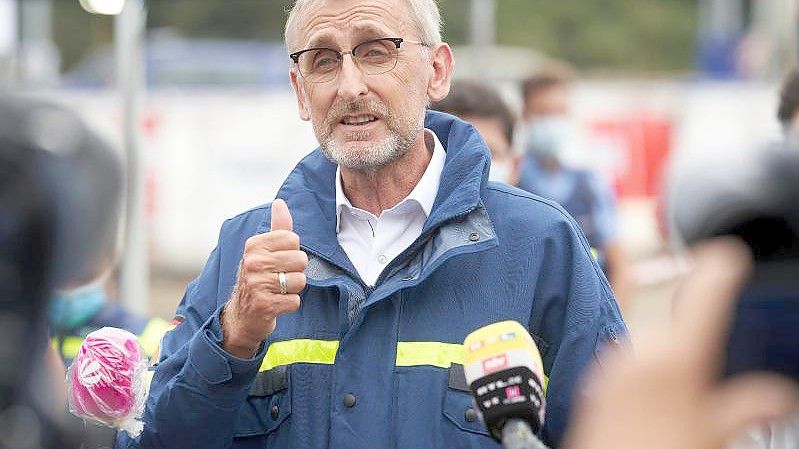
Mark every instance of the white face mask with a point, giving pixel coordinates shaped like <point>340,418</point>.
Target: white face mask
<point>499,172</point>
<point>548,136</point>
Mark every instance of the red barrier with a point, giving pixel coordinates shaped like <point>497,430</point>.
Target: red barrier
<point>642,143</point>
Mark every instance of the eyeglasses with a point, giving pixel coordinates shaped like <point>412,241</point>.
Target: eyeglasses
<point>373,57</point>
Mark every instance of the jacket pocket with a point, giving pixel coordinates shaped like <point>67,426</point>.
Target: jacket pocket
<point>268,404</point>
<point>459,407</point>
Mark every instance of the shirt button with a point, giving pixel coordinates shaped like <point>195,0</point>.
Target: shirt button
<point>473,237</point>
<point>275,411</point>
<point>349,400</point>
<point>381,258</point>
<point>470,415</point>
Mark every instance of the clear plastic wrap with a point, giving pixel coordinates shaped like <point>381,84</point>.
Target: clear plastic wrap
<point>107,382</point>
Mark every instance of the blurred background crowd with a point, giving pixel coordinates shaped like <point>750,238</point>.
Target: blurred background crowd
<point>609,102</point>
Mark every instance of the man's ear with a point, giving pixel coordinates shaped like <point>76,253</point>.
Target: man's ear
<point>299,92</point>
<point>443,64</point>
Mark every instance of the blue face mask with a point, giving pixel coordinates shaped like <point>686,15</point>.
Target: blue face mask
<point>548,136</point>
<point>72,308</point>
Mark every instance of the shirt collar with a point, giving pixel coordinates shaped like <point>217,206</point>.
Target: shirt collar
<point>423,194</point>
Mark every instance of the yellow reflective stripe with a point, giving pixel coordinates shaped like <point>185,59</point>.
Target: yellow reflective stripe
<point>300,351</point>
<point>409,353</point>
<point>150,337</point>
<point>71,347</point>
<point>413,353</point>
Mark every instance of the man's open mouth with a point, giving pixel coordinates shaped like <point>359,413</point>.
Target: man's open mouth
<point>362,119</point>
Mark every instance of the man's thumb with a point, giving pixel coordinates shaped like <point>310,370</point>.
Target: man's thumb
<point>281,217</point>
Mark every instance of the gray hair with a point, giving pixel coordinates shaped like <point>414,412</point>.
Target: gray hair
<point>424,14</point>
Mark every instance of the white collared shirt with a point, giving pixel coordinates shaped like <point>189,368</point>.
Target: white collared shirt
<point>372,242</point>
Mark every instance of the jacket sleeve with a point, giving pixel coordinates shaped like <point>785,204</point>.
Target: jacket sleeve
<point>576,314</point>
<point>197,388</point>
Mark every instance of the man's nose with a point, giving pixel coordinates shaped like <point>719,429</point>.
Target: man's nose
<point>351,80</point>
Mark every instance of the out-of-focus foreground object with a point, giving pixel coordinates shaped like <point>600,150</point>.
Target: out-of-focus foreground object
<point>668,395</point>
<point>753,197</point>
<point>107,381</point>
<point>59,192</point>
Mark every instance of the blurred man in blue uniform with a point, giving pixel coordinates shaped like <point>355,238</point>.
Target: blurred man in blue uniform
<point>548,133</point>
<point>334,317</point>
<point>76,311</point>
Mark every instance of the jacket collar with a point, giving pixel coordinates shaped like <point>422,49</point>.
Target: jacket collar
<point>310,190</point>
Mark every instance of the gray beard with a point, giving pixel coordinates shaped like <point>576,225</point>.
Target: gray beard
<point>379,155</point>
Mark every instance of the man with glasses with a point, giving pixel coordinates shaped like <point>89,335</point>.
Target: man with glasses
<point>334,317</point>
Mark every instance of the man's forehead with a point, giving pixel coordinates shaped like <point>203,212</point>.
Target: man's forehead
<point>330,20</point>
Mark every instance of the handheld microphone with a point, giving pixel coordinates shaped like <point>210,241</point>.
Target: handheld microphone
<point>504,370</point>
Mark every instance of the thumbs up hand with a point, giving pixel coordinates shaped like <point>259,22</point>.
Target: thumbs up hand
<point>271,274</point>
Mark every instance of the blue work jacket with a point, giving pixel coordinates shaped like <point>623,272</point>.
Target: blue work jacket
<point>379,366</point>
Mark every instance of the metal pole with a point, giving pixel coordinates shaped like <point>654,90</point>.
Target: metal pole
<point>9,42</point>
<point>129,27</point>
<point>483,20</point>
<point>39,61</point>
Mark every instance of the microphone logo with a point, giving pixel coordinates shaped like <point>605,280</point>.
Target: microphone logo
<point>495,364</point>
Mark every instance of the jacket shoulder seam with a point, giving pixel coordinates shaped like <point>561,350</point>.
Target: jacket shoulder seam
<point>530,197</point>
<point>248,212</point>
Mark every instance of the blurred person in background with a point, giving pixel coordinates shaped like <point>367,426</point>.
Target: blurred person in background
<point>334,316</point>
<point>548,134</point>
<point>788,111</point>
<point>84,306</point>
<point>484,108</point>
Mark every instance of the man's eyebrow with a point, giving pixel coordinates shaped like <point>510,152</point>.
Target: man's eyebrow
<point>323,40</point>
<point>362,30</point>
<point>369,29</point>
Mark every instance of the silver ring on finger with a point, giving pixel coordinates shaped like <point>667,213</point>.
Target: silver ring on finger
<point>283,281</point>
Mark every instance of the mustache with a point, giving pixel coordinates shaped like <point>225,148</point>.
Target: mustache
<point>372,107</point>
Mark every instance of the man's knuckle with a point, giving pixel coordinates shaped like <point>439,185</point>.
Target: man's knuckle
<point>298,260</point>
<point>252,243</point>
<point>267,263</point>
<point>250,264</point>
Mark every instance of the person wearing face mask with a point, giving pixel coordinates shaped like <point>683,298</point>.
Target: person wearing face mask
<point>484,108</point>
<point>548,136</point>
<point>80,308</point>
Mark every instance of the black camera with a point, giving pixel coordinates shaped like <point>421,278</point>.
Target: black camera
<point>753,197</point>
<point>59,197</point>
